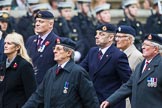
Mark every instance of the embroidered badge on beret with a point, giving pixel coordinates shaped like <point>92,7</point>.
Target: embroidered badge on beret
<point>119,29</point>
<point>58,41</point>
<point>5,15</point>
<point>39,15</point>
<point>150,37</point>
<point>104,28</point>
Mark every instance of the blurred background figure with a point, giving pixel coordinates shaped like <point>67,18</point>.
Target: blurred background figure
<point>130,8</point>
<point>154,22</point>
<point>66,27</point>
<point>103,14</point>
<point>1,47</point>
<point>5,5</point>
<point>17,78</point>
<point>25,25</point>
<point>147,4</point>
<point>4,23</point>
<point>84,20</point>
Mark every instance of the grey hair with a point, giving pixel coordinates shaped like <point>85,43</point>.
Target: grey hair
<point>69,49</point>
<point>133,38</point>
<point>157,45</point>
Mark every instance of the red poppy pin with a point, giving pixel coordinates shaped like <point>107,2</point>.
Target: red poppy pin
<point>47,43</point>
<point>15,65</point>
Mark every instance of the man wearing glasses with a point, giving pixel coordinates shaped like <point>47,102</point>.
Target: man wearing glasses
<point>145,84</point>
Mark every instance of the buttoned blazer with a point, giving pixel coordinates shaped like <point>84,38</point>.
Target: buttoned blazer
<point>143,95</point>
<point>42,60</point>
<point>109,73</point>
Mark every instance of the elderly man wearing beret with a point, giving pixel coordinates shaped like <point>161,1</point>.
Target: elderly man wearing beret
<point>107,65</point>
<point>40,46</point>
<point>145,84</point>
<point>66,85</point>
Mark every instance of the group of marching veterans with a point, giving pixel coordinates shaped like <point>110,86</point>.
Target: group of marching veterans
<point>65,54</point>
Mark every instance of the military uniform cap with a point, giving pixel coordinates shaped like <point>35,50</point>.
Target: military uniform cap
<point>4,16</point>
<point>103,7</point>
<point>62,5</point>
<point>44,15</point>
<point>106,28</point>
<point>126,30</point>
<point>65,42</point>
<point>40,7</point>
<point>83,1</point>
<point>126,3</point>
<point>154,38</point>
<point>5,2</point>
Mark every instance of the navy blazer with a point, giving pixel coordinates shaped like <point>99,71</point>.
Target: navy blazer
<point>109,73</point>
<point>42,60</point>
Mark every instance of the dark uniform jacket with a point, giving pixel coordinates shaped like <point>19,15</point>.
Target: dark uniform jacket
<point>42,60</point>
<point>109,73</point>
<point>79,91</point>
<point>154,24</point>
<point>1,49</point>
<point>18,83</point>
<point>146,88</point>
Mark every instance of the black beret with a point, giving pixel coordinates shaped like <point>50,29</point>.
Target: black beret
<point>154,38</point>
<point>66,42</point>
<point>44,15</point>
<point>126,30</point>
<point>4,16</point>
<point>106,28</point>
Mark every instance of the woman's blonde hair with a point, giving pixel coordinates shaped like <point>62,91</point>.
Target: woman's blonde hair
<point>18,40</point>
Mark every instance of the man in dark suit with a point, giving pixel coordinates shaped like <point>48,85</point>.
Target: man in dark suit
<point>145,84</point>
<point>66,85</point>
<point>107,70</point>
<point>40,46</point>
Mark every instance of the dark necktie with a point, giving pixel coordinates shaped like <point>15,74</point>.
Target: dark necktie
<point>100,55</point>
<point>146,66</point>
<point>58,70</point>
<point>39,42</point>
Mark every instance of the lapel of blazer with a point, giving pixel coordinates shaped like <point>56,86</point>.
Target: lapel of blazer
<point>106,57</point>
<point>151,68</point>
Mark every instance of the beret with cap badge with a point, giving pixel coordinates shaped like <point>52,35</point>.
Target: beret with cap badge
<point>126,30</point>
<point>154,38</point>
<point>66,42</point>
<point>106,28</point>
<point>4,16</point>
<point>44,15</point>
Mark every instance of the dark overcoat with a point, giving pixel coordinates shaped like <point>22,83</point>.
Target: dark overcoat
<point>146,88</point>
<point>18,83</point>
<point>71,88</point>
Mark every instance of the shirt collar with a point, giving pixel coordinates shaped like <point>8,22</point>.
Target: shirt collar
<point>104,49</point>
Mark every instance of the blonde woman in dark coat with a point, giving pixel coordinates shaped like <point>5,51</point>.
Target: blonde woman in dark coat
<point>17,81</point>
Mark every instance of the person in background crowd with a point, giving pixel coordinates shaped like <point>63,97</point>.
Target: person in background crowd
<point>2,56</point>
<point>108,67</point>
<point>125,36</point>
<point>147,4</point>
<point>4,20</point>
<point>5,5</point>
<point>65,26</point>
<point>65,84</point>
<point>130,8</point>
<point>103,14</point>
<point>154,22</point>
<point>96,3</point>
<point>25,25</point>
<point>145,84</point>
<point>17,80</point>
<point>84,19</point>
<point>40,46</point>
